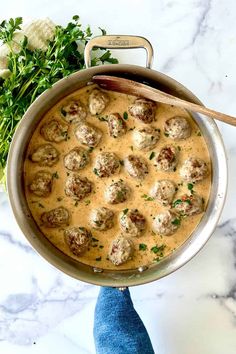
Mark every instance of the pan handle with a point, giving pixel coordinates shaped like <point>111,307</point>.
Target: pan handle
<point>118,42</point>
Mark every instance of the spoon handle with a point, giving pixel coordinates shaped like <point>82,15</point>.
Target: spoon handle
<point>137,89</point>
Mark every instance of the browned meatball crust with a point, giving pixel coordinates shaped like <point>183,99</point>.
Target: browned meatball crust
<point>76,159</point>
<point>146,137</point>
<point>188,205</point>
<point>167,158</point>
<point>45,155</point>
<point>166,223</point>
<point>194,170</point>
<point>136,166</point>
<point>74,112</point>
<point>41,184</point>
<point>177,128</point>
<point>163,191</point>
<point>117,192</point>
<point>78,239</point>
<point>77,187</point>
<point>143,109</point>
<point>106,164</point>
<point>132,222</point>
<point>54,131</point>
<point>102,219</point>
<point>88,135</point>
<point>56,217</point>
<point>98,100</point>
<point>121,250</point>
<point>116,125</point>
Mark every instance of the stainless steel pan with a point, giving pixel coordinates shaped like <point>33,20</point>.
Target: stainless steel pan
<point>66,86</point>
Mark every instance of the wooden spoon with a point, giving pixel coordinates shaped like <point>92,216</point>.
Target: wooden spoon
<point>137,89</point>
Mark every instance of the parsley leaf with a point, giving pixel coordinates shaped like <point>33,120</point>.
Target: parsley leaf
<point>142,247</point>
<point>125,115</point>
<point>147,198</point>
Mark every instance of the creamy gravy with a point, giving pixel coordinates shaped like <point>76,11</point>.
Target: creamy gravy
<point>193,146</point>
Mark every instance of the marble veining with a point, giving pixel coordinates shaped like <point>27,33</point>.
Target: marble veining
<point>193,310</point>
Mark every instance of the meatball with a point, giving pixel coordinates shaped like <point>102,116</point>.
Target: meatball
<point>136,166</point>
<point>76,159</point>
<point>143,110</point>
<point>177,128</point>
<point>74,112</point>
<point>188,205</point>
<point>121,250</point>
<point>56,217</point>
<point>77,187</point>
<point>163,192</point>
<point>117,126</point>
<point>102,219</point>
<point>193,170</point>
<point>117,192</point>
<point>145,138</point>
<point>166,223</point>
<point>45,155</point>
<point>167,158</point>
<point>88,135</point>
<point>98,101</point>
<point>106,164</point>
<point>132,222</point>
<point>77,239</point>
<point>41,184</point>
<point>54,131</point>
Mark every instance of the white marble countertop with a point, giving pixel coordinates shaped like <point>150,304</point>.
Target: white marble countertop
<point>192,311</point>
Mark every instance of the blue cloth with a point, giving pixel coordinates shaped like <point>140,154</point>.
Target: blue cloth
<point>118,328</point>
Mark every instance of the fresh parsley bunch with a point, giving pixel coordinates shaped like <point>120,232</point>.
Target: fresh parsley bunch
<point>34,71</point>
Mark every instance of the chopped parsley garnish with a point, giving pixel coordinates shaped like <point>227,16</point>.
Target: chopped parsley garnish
<point>59,199</point>
<point>152,155</point>
<point>142,247</point>
<point>132,148</point>
<point>190,187</point>
<point>76,203</point>
<point>199,133</point>
<point>55,175</point>
<point>176,221</point>
<point>96,172</point>
<point>166,134</point>
<point>125,211</point>
<point>179,148</point>
<point>101,246</point>
<point>158,249</point>
<point>90,149</point>
<point>121,162</point>
<point>41,205</point>
<point>125,115</point>
<point>98,259</point>
<point>147,198</point>
<point>87,202</point>
<point>94,239</point>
